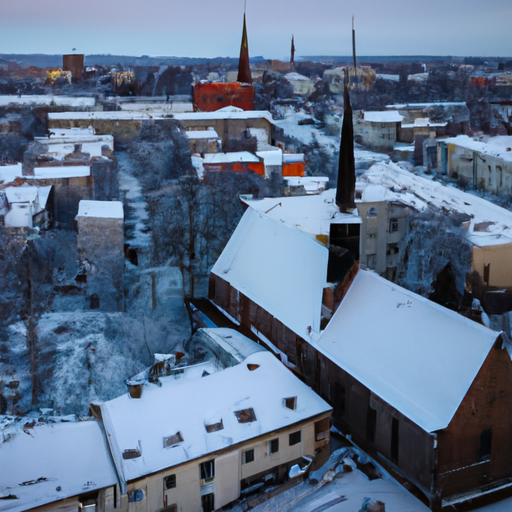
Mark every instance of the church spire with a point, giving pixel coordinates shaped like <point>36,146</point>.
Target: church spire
<point>244,69</point>
<point>292,55</point>
<point>346,185</point>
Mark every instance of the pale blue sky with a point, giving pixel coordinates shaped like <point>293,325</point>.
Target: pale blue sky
<point>211,28</point>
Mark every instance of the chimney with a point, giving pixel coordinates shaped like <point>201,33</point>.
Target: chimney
<point>244,69</point>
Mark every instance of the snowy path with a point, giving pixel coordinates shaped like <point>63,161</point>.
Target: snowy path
<point>137,216</point>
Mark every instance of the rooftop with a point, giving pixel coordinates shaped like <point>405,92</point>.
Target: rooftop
<point>423,372</point>
<point>101,209</point>
<point>489,224</point>
<point>242,402</point>
<point>49,463</point>
<point>499,146</point>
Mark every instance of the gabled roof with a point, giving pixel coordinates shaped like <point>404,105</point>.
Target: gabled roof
<point>419,357</point>
<point>72,458</point>
<point>279,268</point>
<point>178,412</point>
<point>489,225</point>
<point>499,146</point>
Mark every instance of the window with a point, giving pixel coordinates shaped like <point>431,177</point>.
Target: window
<point>322,429</point>
<point>338,398</point>
<point>248,456</point>
<point>291,402</point>
<point>245,415</point>
<point>207,470</point>
<point>208,502</point>
<point>170,482</point>
<point>214,427</point>
<point>485,444</point>
<point>273,446</point>
<point>295,438</point>
<point>393,225</point>
<point>395,425</point>
<point>372,212</point>
<point>371,424</point>
<point>173,440</point>
<point>136,495</point>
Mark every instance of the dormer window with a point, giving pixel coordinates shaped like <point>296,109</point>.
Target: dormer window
<point>173,440</point>
<point>213,426</point>
<point>291,402</point>
<point>245,415</point>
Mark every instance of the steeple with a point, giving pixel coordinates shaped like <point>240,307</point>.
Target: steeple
<point>244,69</point>
<point>292,55</point>
<point>354,51</point>
<point>345,190</point>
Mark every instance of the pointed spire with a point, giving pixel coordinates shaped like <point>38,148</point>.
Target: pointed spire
<point>244,68</point>
<point>346,185</point>
<point>354,51</point>
<point>292,55</point>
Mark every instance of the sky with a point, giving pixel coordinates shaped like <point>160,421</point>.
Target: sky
<point>212,28</point>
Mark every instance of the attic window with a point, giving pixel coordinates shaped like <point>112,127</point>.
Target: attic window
<point>131,453</point>
<point>291,402</point>
<point>252,367</point>
<point>245,415</point>
<point>173,440</point>
<point>214,427</point>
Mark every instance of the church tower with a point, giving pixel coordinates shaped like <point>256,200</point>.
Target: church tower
<point>244,69</point>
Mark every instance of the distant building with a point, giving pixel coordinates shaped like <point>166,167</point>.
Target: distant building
<point>75,64</point>
<point>25,206</point>
<point>100,243</point>
<point>483,163</point>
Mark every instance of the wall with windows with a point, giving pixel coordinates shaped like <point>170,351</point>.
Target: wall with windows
<point>476,448</point>
<point>216,479</point>
<point>384,226</point>
<point>493,264</point>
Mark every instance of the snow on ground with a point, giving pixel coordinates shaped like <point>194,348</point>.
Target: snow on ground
<point>304,133</point>
<point>308,133</point>
<point>137,216</point>
<point>343,488</point>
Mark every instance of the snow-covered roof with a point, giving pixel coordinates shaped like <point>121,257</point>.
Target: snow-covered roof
<point>8,173</point>
<point>414,106</point>
<point>293,157</point>
<point>67,101</point>
<point>499,146</point>
<point>69,132</point>
<point>419,357</point>
<point>115,115</point>
<point>296,77</point>
<point>312,214</point>
<point>53,462</point>
<point>100,209</point>
<point>385,116</point>
<point>226,113</point>
<point>183,409</point>
<point>261,261</point>
<point>202,134</point>
<point>60,171</point>
<point>59,147</point>
<point>391,78</point>
<point>490,224</point>
<point>141,116</point>
<point>272,157</point>
<point>21,194</point>
<point>235,156</point>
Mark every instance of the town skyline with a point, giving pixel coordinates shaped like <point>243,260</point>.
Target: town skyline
<point>201,29</point>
